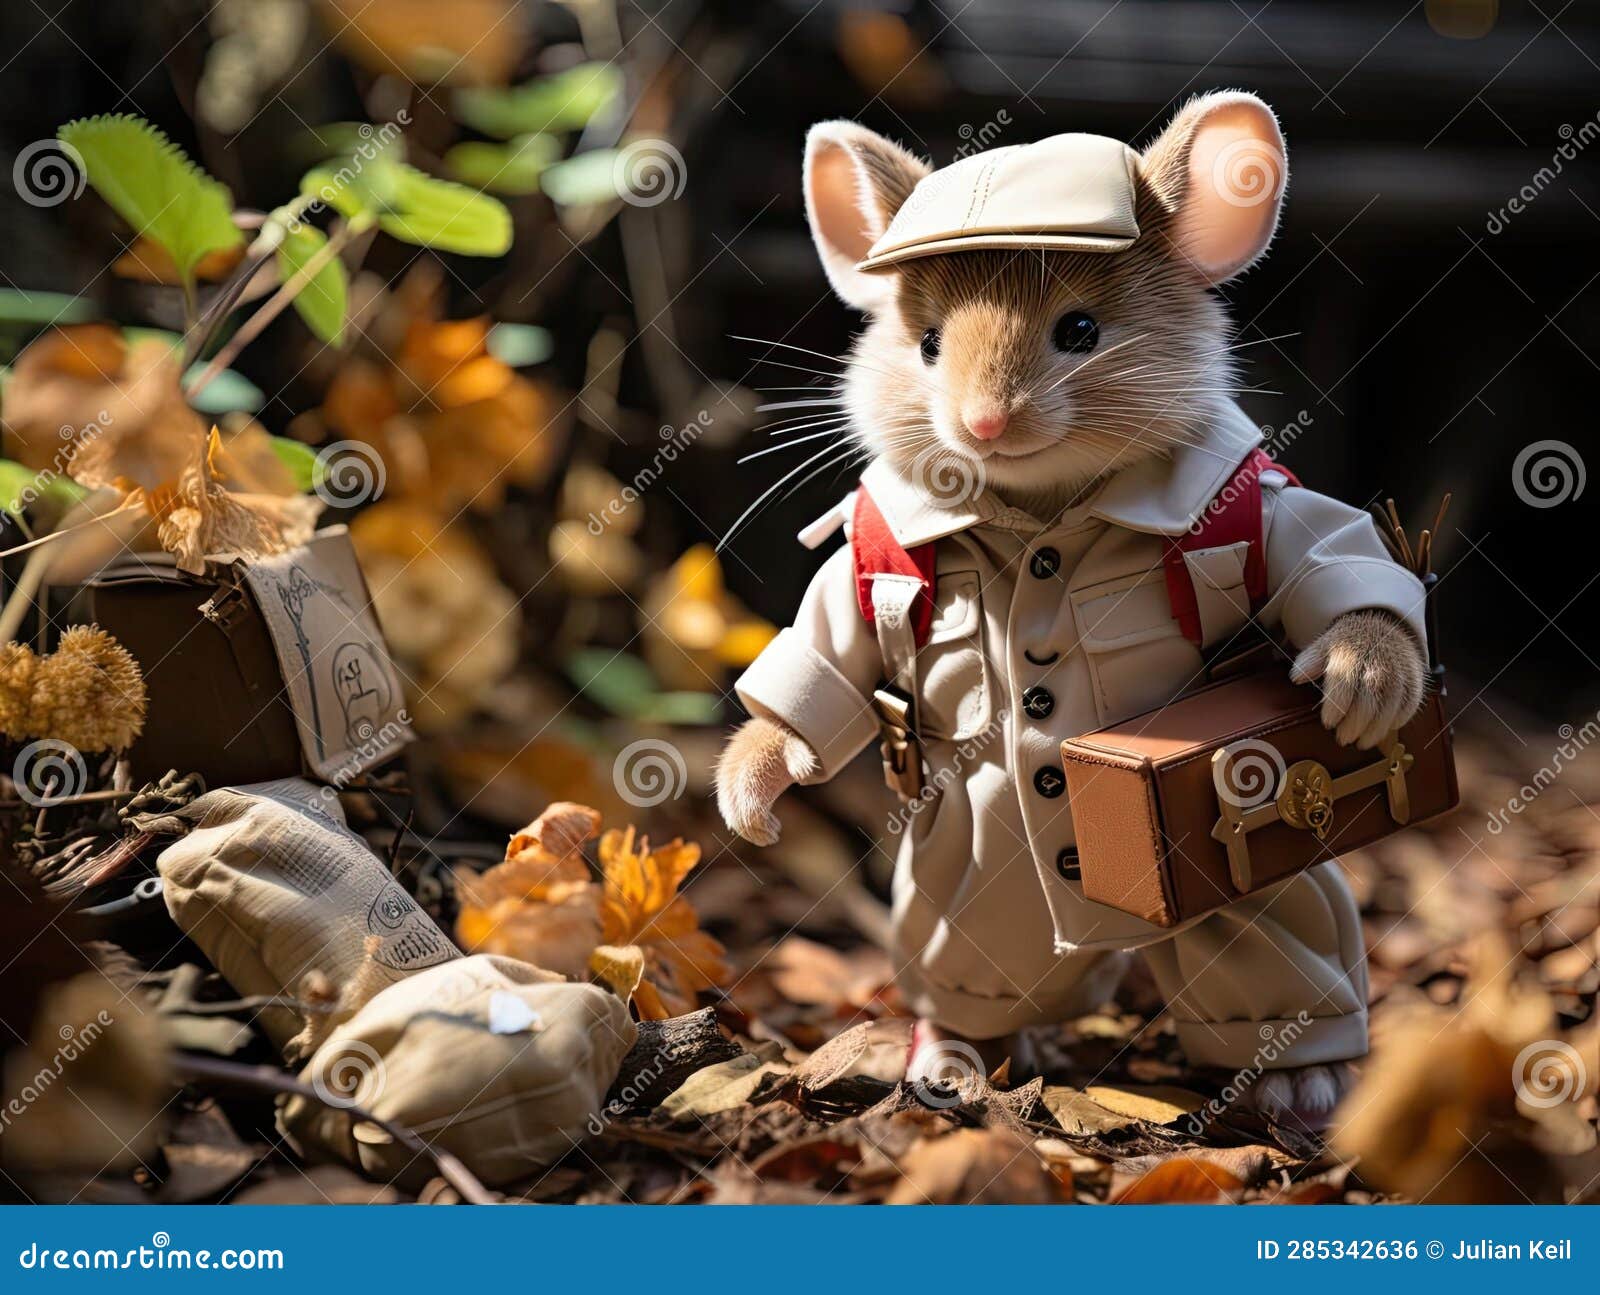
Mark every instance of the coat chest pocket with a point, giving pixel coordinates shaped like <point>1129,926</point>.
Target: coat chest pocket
<point>952,674</point>
<point>1137,656</point>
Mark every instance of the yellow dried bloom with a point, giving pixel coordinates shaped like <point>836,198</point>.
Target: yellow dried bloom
<point>17,667</point>
<point>89,692</point>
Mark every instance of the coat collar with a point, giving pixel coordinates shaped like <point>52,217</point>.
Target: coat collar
<point>1159,496</point>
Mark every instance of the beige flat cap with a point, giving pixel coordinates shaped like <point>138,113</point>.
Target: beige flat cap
<point>1068,193</point>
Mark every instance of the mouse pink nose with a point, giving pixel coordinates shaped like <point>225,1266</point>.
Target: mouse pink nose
<point>986,421</point>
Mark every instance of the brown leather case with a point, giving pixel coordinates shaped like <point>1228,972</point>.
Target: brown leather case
<point>1238,786</point>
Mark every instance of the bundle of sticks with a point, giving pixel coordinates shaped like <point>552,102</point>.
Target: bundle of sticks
<point>1416,557</point>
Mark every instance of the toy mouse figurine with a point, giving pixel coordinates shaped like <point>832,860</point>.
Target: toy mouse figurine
<point>1042,332</point>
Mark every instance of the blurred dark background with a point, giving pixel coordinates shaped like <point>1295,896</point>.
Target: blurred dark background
<point>1429,331</point>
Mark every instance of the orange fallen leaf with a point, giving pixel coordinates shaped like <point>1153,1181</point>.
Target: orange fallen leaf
<point>641,905</point>
<point>1181,1181</point>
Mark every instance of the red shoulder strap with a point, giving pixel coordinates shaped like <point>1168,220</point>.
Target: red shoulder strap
<point>877,552</point>
<point>1234,515</point>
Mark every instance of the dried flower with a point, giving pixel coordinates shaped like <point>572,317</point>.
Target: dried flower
<point>17,668</point>
<point>89,692</point>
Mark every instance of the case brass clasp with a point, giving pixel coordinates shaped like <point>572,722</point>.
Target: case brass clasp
<point>899,747</point>
<point>1304,797</point>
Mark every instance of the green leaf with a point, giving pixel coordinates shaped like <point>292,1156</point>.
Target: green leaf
<point>563,102</point>
<point>585,180</point>
<point>687,709</point>
<point>20,486</point>
<point>513,168</point>
<point>358,185</point>
<point>415,207</point>
<point>22,306</point>
<point>520,345</point>
<point>152,184</point>
<point>323,300</point>
<point>618,682</point>
<point>229,392</point>
<point>623,685</point>
<point>300,459</point>
<point>447,216</point>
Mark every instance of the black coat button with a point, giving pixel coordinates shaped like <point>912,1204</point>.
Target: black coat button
<point>1049,782</point>
<point>1046,562</point>
<point>1038,703</point>
<point>1067,864</point>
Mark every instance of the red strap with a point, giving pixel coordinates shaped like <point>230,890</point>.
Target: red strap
<point>1234,515</point>
<point>877,552</point>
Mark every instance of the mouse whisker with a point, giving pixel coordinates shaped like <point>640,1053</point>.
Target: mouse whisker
<point>789,445</point>
<point>797,404</point>
<point>767,494</point>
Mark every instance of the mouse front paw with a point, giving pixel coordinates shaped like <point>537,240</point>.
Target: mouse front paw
<point>762,760</point>
<point>1372,674</point>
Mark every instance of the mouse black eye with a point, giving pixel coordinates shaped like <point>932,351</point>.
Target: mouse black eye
<point>930,346</point>
<point>1076,332</point>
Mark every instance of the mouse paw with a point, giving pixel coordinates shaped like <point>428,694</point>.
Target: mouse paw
<point>1302,1099</point>
<point>1372,675</point>
<point>762,760</point>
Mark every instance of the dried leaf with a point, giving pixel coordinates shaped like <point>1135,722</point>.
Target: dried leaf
<point>1183,1180</point>
<point>1156,1104</point>
<point>641,905</point>
<point>621,967</point>
<point>725,1085</point>
<point>974,1167</point>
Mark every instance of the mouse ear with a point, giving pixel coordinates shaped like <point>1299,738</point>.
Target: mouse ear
<point>1220,168</point>
<point>855,181</point>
